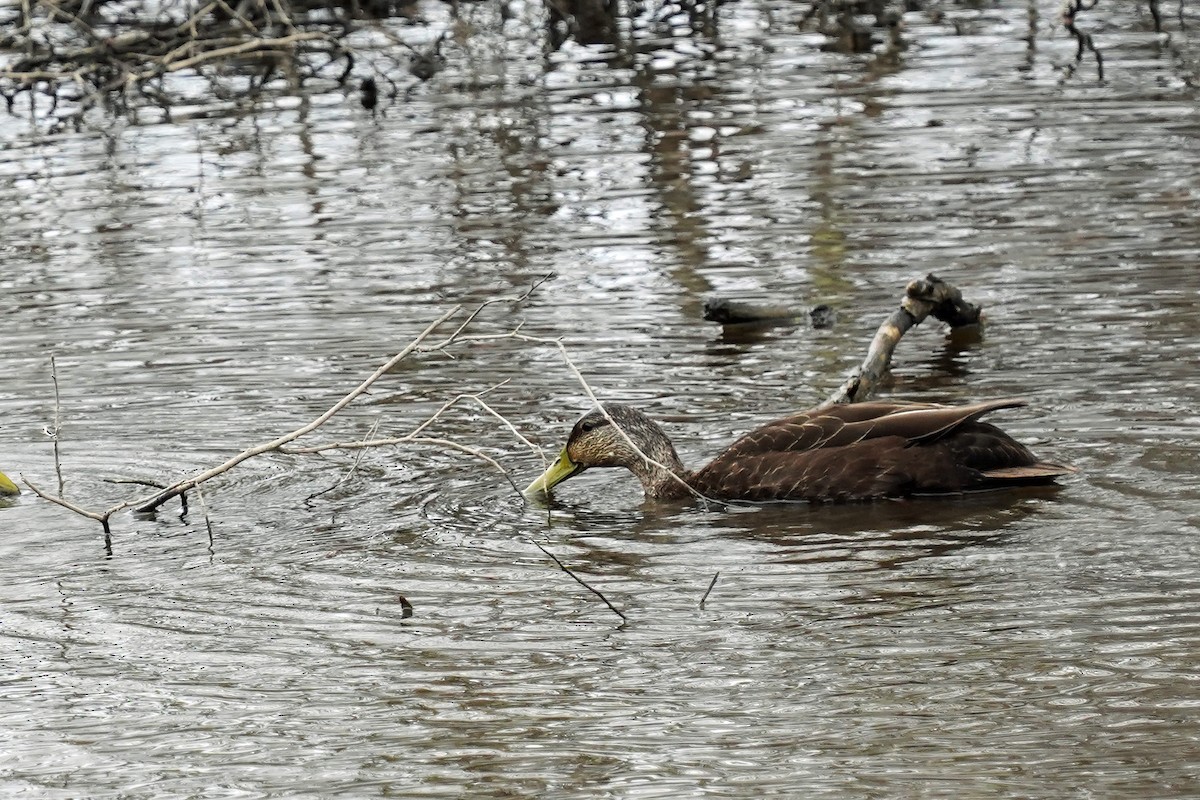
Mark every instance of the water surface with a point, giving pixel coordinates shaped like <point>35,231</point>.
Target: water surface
<point>209,284</point>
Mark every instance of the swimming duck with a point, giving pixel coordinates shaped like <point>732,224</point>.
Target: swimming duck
<point>841,453</point>
<point>7,486</point>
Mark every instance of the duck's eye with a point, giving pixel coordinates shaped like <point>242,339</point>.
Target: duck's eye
<point>589,424</point>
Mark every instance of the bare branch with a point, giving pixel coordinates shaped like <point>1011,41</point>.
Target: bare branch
<point>418,344</point>
<point>154,501</point>
<point>57,426</point>
<point>929,296</point>
<point>83,512</point>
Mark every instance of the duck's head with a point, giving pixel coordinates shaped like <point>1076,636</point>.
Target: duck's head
<point>595,441</point>
<point>7,486</point>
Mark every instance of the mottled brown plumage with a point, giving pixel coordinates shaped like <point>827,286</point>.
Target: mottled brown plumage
<point>841,453</point>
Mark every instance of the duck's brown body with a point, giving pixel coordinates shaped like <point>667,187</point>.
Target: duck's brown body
<point>872,450</point>
<point>840,453</point>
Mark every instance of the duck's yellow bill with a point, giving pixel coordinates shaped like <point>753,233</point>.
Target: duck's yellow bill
<point>7,486</point>
<point>562,468</point>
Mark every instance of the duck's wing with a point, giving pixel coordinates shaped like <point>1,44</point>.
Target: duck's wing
<point>841,425</point>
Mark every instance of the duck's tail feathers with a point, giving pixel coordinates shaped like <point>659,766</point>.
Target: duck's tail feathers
<point>1040,472</point>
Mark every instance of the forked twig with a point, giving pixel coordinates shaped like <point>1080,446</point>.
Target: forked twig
<point>353,467</point>
<point>153,502</point>
<point>178,489</point>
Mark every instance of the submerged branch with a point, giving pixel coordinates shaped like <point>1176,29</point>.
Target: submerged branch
<point>582,583</point>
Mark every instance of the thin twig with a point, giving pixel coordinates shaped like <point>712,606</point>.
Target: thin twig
<point>457,334</point>
<point>83,512</point>
<point>57,426</point>
<point>581,582</point>
<point>353,467</point>
<point>204,511</point>
<point>504,421</point>
<point>711,584</point>
<point>446,406</point>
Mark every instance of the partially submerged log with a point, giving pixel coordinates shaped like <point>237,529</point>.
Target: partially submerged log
<point>929,296</point>
<point>739,312</point>
<point>924,297</point>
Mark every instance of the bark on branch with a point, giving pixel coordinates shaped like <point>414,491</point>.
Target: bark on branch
<point>928,296</point>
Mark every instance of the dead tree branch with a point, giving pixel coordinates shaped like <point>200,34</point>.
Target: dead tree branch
<point>151,503</point>
<point>54,432</point>
<point>180,488</point>
<point>922,298</point>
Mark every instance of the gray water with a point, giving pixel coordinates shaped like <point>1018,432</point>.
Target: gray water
<point>210,283</point>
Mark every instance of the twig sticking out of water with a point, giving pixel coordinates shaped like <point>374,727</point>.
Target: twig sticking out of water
<point>922,298</point>
<point>150,503</point>
<point>54,432</point>
<point>100,516</point>
<point>207,519</point>
<point>581,582</point>
<point>711,584</point>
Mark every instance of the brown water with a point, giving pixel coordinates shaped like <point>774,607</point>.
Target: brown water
<point>208,284</point>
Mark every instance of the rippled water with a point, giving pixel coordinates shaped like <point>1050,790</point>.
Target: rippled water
<point>210,284</point>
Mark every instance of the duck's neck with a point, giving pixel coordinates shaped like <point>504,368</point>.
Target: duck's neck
<point>665,482</point>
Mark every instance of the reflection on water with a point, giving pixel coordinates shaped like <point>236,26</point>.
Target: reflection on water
<point>211,284</point>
